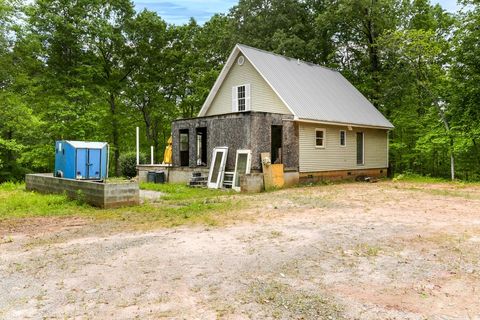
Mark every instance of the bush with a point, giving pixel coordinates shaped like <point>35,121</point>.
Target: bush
<point>128,164</point>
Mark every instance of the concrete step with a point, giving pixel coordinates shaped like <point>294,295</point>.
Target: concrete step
<point>198,179</point>
<point>197,183</point>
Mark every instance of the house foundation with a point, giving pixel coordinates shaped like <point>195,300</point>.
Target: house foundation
<point>312,177</point>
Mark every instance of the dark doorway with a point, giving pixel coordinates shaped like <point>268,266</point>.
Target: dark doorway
<point>276,144</point>
<point>202,146</point>
<point>184,146</point>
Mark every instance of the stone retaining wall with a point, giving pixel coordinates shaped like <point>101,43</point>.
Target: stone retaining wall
<point>103,195</point>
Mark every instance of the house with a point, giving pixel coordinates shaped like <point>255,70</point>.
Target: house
<point>310,118</point>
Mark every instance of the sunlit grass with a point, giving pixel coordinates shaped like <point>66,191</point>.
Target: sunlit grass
<point>413,177</point>
<point>180,205</point>
<point>176,191</point>
<point>16,202</point>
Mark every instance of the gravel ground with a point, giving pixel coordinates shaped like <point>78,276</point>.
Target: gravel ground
<point>349,251</point>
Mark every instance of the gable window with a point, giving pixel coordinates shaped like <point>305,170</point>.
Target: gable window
<point>320,136</point>
<point>241,98</point>
<point>343,138</point>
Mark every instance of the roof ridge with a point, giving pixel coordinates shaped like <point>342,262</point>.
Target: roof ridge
<point>283,56</point>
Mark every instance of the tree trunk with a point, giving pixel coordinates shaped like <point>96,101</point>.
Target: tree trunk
<point>371,33</point>
<point>451,144</point>
<point>452,161</point>
<point>115,134</point>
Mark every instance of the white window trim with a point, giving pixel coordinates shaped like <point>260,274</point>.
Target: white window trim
<point>248,98</point>
<point>216,184</point>
<point>324,138</point>
<point>340,138</point>
<point>247,171</point>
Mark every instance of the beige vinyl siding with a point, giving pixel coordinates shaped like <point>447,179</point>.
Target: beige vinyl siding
<point>263,98</point>
<point>336,157</point>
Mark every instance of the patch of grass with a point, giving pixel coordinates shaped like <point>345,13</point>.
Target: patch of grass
<point>170,215</point>
<point>181,206</point>
<point>366,250</point>
<point>175,191</point>
<point>275,234</point>
<point>15,202</point>
<point>451,193</point>
<point>282,301</point>
<point>445,192</point>
<point>413,177</point>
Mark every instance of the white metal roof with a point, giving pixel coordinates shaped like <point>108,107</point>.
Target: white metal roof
<point>311,92</point>
<point>86,144</point>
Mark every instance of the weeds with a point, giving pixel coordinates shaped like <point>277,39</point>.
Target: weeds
<point>366,250</point>
<point>282,301</point>
<point>15,202</point>
<point>413,177</point>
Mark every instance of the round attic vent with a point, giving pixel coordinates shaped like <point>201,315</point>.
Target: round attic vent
<point>241,60</point>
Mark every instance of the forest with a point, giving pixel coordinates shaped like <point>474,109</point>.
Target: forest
<point>96,69</point>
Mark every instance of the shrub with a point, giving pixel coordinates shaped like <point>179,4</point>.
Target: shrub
<point>128,164</point>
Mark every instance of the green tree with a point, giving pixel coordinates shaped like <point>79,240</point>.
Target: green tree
<point>111,56</point>
<point>150,84</point>
<point>19,126</point>
<point>465,90</point>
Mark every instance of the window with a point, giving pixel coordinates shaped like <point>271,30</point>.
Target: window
<point>217,167</point>
<point>343,138</point>
<point>184,148</point>
<point>320,135</point>
<point>360,148</point>
<point>184,141</point>
<point>241,60</point>
<point>242,166</point>
<point>241,98</point>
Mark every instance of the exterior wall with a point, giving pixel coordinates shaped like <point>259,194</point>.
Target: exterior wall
<point>183,175</point>
<point>263,98</point>
<point>243,130</point>
<point>104,195</point>
<point>261,139</point>
<point>335,157</point>
<point>229,130</point>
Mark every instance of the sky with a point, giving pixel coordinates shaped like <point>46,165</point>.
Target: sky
<point>180,11</point>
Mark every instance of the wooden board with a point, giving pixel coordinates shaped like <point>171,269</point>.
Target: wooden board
<point>272,173</point>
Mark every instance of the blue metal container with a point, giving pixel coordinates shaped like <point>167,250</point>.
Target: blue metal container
<point>81,160</point>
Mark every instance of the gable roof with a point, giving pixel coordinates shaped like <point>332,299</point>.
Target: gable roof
<point>311,92</point>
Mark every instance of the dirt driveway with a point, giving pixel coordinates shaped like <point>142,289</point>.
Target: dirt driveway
<point>350,251</point>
